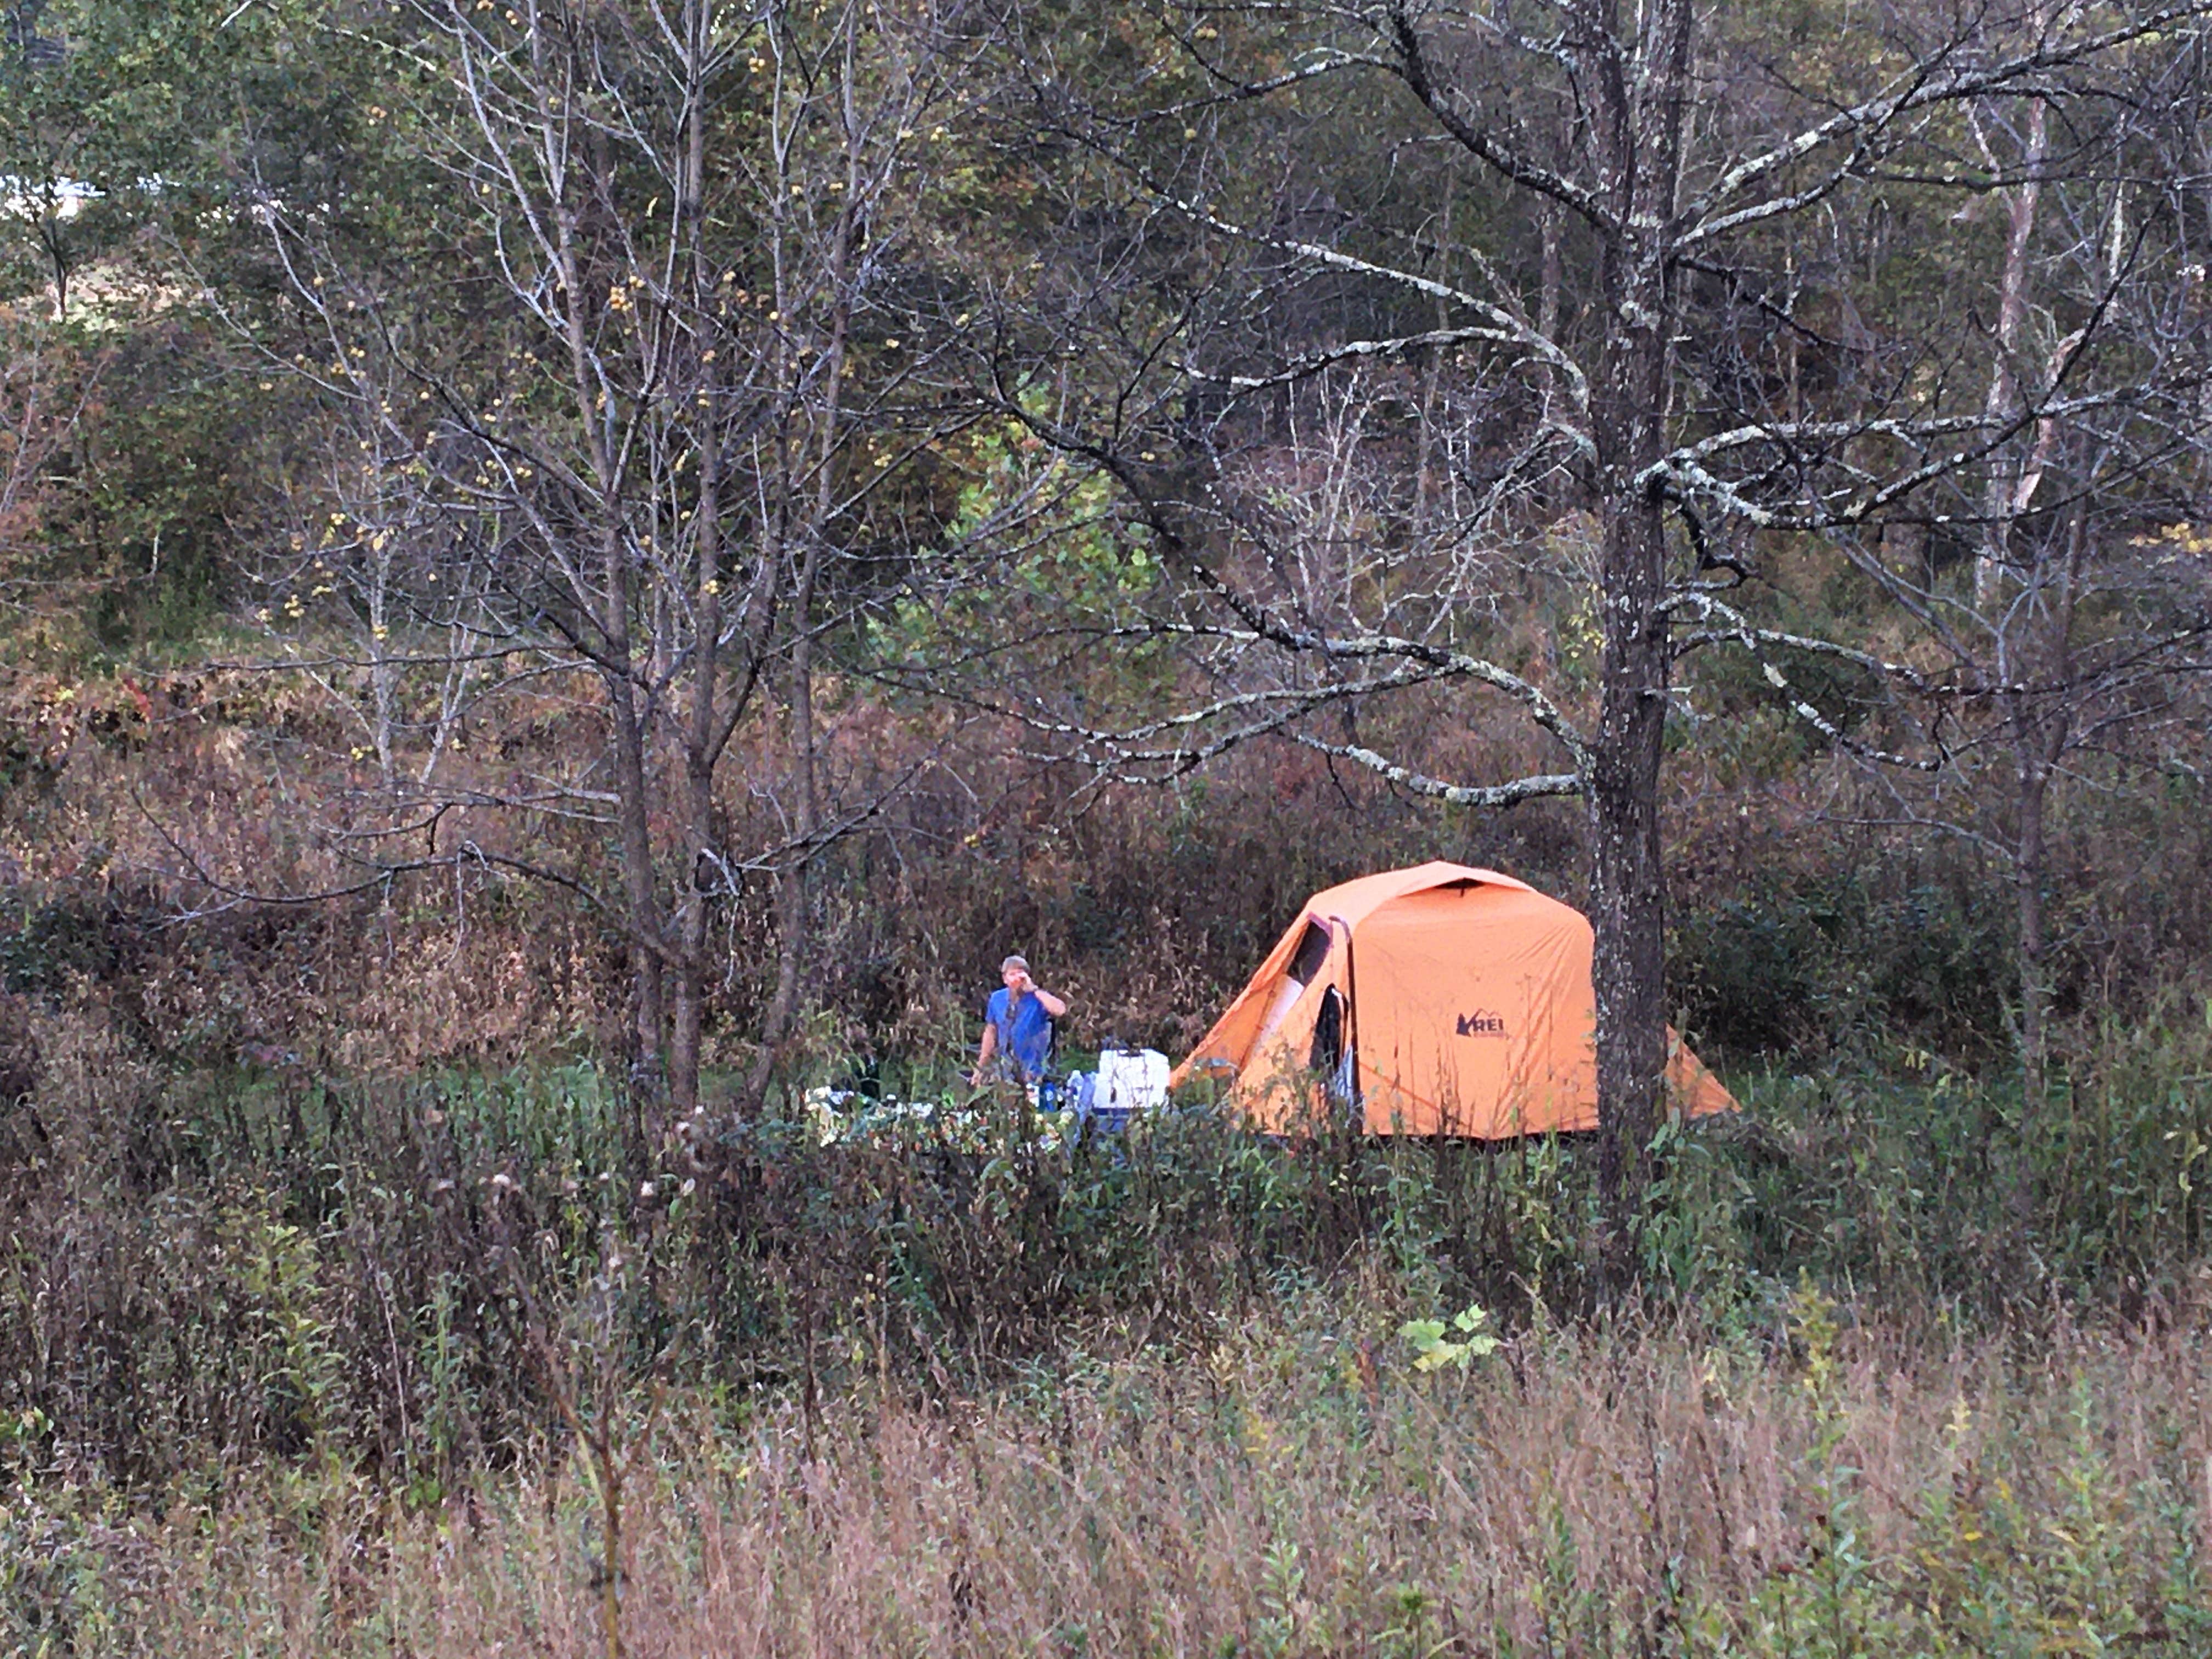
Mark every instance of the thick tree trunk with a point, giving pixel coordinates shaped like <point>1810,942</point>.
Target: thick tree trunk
<point>1627,881</point>
<point>1642,105</point>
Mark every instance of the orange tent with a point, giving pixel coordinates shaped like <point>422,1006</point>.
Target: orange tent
<point>1441,999</point>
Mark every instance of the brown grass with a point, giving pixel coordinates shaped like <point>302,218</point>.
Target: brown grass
<point>1298,1489</point>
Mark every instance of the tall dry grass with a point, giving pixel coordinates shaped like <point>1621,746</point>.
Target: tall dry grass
<point>1822,1488</point>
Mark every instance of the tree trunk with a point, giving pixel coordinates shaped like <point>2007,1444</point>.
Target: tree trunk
<point>703,718</point>
<point>1424,437</point>
<point>2040,740</point>
<point>792,916</point>
<point>2004,399</point>
<point>58,256</point>
<point>616,661</point>
<point>1627,881</point>
<point>2034,980</point>
<point>383,678</point>
<point>1551,274</point>
<point>1643,105</point>
<point>699,878</point>
<point>634,822</point>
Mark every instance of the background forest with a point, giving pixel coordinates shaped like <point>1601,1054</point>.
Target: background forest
<point>570,571</point>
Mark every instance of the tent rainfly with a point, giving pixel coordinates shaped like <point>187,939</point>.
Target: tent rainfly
<point>1440,1000</point>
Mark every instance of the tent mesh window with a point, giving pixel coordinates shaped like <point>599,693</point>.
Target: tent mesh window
<point>1328,1033</point>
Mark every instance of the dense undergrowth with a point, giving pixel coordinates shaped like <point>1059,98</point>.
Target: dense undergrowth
<point>269,1343</point>
<point>213,1265</point>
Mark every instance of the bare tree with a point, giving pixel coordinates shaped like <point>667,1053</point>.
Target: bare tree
<point>1259,208</point>
<point>670,380</point>
<point>2070,654</point>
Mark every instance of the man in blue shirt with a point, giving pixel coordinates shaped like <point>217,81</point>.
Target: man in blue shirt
<point>1016,1027</point>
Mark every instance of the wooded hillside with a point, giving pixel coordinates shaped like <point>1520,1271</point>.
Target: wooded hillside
<point>737,519</point>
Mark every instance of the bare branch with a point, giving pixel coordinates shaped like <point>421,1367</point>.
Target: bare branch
<point>1538,786</point>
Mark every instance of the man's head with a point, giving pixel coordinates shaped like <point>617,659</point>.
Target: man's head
<point>1015,971</point>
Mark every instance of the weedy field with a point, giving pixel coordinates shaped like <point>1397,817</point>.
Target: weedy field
<point>1825,1485</point>
<point>396,1368</point>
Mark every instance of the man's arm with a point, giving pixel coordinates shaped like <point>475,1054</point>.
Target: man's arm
<point>1054,1006</point>
<point>990,1046</point>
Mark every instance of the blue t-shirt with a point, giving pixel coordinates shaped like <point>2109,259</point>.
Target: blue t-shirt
<point>1024,1033</point>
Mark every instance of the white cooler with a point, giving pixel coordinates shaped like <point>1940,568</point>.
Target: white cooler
<point>1131,1080</point>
